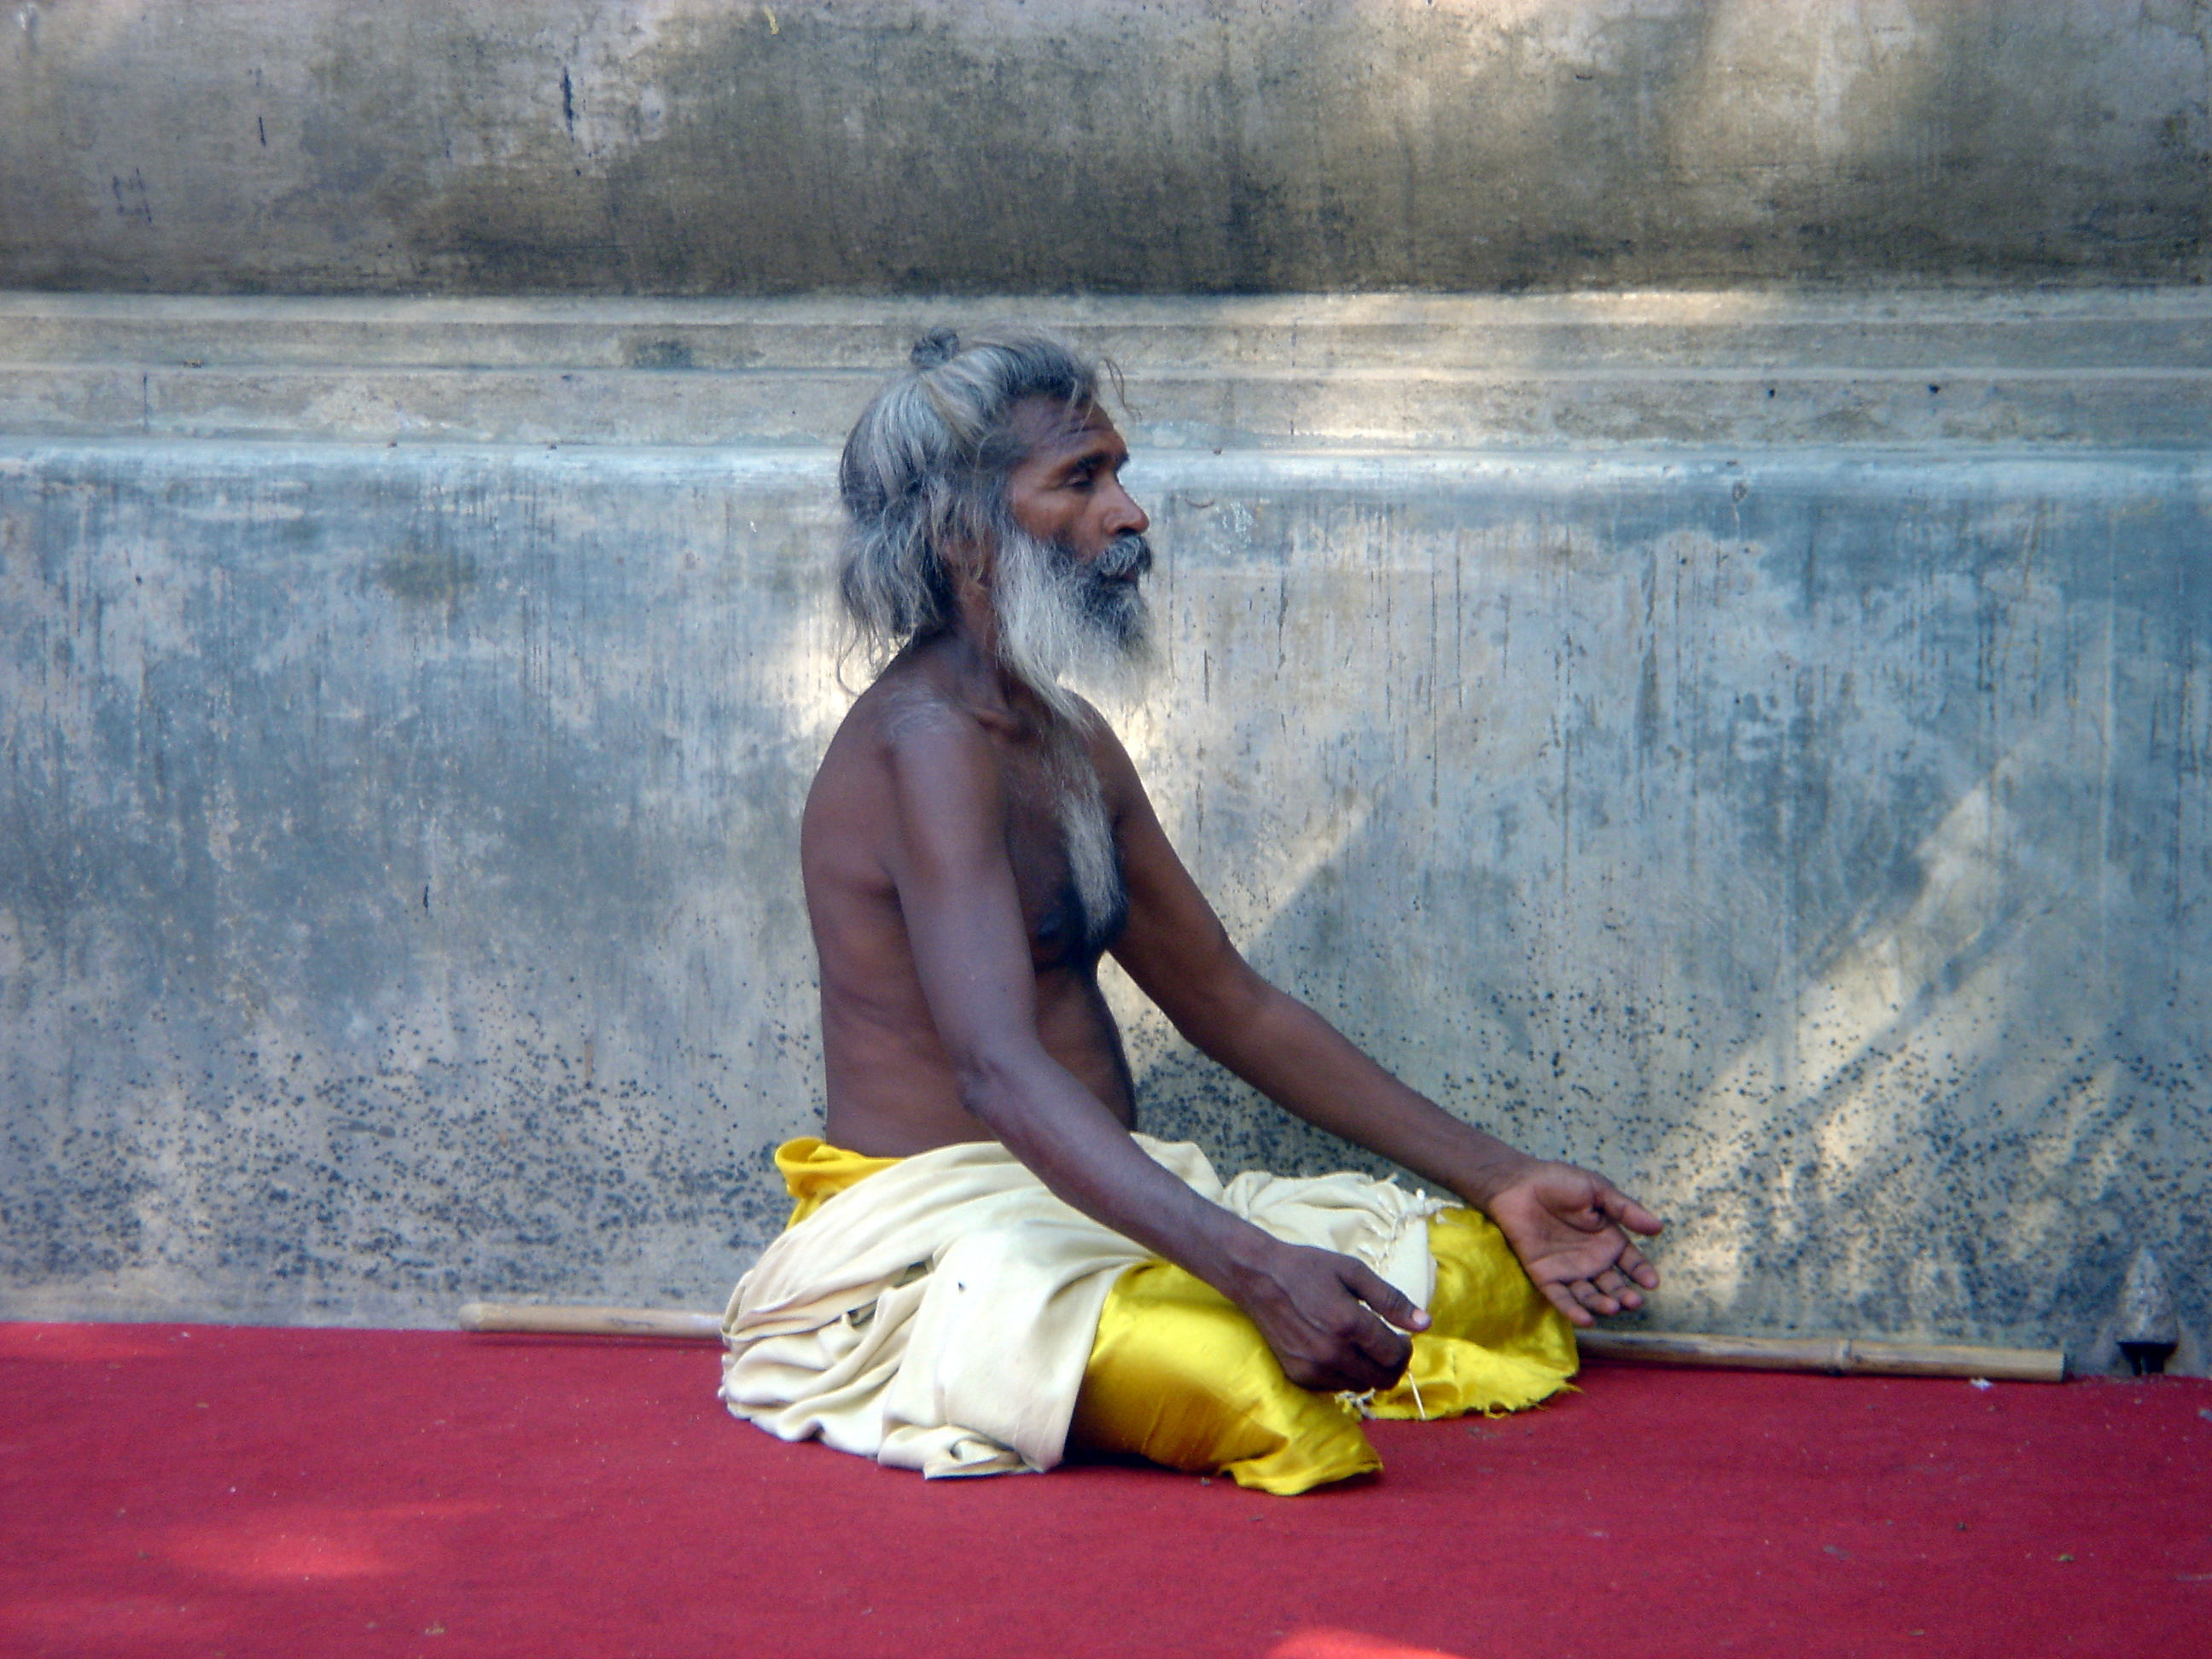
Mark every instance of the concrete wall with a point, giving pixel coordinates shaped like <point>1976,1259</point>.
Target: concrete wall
<point>1014,146</point>
<point>398,899</point>
<point>400,891</point>
<point>1749,732</point>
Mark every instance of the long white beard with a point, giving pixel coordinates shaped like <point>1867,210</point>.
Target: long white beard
<point>1093,863</point>
<point>1062,619</point>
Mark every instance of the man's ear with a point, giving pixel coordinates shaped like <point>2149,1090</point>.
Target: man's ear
<point>968,564</point>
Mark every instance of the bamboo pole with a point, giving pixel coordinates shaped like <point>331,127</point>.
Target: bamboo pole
<point>1840,1356</point>
<point>1837,1355</point>
<point>590,1322</point>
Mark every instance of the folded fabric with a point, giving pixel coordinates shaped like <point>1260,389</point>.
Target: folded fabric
<point>939,1314</point>
<point>1179,1375</point>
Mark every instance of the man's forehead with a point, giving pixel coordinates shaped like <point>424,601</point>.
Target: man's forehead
<point>1047,427</point>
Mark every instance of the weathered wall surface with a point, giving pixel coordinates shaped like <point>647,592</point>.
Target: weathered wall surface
<point>398,899</point>
<point>1754,742</point>
<point>697,146</point>
<point>1819,847</point>
<point>398,893</point>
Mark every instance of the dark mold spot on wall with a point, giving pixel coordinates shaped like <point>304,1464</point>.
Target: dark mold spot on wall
<point>426,575</point>
<point>660,353</point>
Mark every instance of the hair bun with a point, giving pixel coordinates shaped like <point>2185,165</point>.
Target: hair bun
<point>935,347</point>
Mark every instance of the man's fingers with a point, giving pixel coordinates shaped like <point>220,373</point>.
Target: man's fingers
<point>1320,1378</point>
<point>1334,1328</point>
<point>1621,1208</point>
<point>1387,1299</point>
<point>1369,1355</point>
<point>1585,1301</point>
<point>1617,1285</point>
<point>1558,1297</point>
<point>1389,1351</point>
<point>1594,1298</point>
<point>1383,1347</point>
<point>1632,1263</point>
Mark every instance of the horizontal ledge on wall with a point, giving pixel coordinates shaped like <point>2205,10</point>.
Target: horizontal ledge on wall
<point>2121,368</point>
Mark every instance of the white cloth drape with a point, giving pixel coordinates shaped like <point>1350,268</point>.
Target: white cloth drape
<point>939,1315</point>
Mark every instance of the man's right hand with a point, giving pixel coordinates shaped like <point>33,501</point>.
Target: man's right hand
<point>1570,1229</point>
<point>1328,1318</point>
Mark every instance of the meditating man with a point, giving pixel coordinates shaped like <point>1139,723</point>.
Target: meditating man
<point>985,1262</point>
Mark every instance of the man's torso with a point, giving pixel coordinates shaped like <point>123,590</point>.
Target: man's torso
<point>892,1088</point>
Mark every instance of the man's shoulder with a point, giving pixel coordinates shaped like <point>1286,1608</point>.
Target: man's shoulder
<point>902,721</point>
<point>896,727</point>
<point>903,707</point>
<point>908,723</point>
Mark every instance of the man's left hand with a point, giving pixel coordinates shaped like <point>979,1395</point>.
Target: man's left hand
<point>1571,1230</point>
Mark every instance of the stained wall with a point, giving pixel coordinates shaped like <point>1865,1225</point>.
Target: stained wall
<point>1685,604</point>
<point>1038,146</point>
<point>400,899</point>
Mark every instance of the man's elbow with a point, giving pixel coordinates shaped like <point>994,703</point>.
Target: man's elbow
<point>992,1081</point>
<point>1223,1006</point>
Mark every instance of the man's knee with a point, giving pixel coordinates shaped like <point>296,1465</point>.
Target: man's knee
<point>1179,1375</point>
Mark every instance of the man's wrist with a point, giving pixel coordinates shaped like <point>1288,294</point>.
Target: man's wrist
<point>1494,1175</point>
<point>1249,1258</point>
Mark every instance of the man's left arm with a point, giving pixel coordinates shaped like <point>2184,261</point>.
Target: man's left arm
<point>1569,1226</point>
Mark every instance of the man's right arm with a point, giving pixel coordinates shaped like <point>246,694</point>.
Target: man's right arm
<point>1323,1314</point>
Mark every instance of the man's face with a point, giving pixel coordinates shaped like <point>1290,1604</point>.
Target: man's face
<point>1067,492</point>
<point>1065,579</point>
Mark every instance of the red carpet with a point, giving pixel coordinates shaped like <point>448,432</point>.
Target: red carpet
<point>208,1491</point>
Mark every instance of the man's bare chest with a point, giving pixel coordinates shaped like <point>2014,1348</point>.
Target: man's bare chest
<point>1071,912</point>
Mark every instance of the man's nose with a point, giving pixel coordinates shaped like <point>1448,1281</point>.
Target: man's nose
<point>1125,517</point>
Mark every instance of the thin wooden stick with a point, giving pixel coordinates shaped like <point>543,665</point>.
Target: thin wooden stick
<point>1840,1356</point>
<point>590,1322</point>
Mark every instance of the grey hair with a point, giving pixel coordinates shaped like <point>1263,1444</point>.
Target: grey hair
<point>925,470</point>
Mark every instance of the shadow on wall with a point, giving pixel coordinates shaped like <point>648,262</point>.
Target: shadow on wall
<point>1828,866</point>
<point>679,146</point>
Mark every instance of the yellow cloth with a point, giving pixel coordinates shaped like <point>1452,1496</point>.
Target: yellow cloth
<point>1179,1375</point>
<point>939,1314</point>
<point>814,1172</point>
